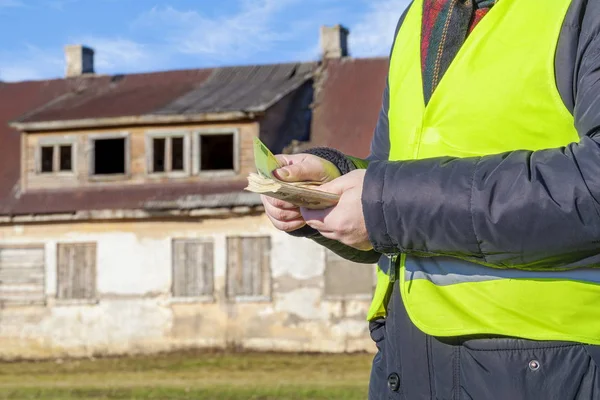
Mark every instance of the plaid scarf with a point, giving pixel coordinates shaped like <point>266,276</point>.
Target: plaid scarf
<point>446,25</point>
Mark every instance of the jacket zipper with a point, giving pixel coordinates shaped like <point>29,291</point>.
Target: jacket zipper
<point>393,259</point>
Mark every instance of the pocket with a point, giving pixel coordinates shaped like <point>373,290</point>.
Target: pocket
<point>521,369</point>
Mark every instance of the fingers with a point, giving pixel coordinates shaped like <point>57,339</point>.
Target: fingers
<point>278,203</point>
<point>317,219</point>
<point>287,226</point>
<point>300,172</point>
<point>284,216</point>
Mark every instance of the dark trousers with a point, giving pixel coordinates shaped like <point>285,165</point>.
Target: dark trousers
<point>412,365</point>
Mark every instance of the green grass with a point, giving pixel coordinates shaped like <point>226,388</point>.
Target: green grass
<point>191,375</point>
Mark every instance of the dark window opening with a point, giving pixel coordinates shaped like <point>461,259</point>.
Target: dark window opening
<point>47,161</point>
<point>158,151</point>
<point>216,152</point>
<point>109,156</point>
<point>66,158</point>
<point>177,154</point>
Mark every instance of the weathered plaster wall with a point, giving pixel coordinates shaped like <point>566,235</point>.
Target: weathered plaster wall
<point>136,313</point>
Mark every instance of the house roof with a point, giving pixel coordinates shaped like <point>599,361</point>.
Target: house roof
<point>347,103</point>
<point>154,97</point>
<point>346,108</point>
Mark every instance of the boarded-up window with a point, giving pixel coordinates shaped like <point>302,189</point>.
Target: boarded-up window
<point>192,268</point>
<point>21,275</point>
<point>248,267</point>
<point>346,279</point>
<point>76,271</point>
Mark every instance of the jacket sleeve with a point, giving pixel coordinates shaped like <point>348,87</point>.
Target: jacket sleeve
<point>525,209</point>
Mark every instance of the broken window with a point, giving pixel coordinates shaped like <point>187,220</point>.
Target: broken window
<point>47,159</point>
<point>346,279</point>
<point>168,154</point>
<point>76,274</point>
<point>192,268</point>
<point>217,152</point>
<point>110,156</point>
<point>248,267</point>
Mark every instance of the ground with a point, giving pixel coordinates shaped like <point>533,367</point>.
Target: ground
<point>191,375</point>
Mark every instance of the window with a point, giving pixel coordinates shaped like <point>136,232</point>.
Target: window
<point>55,157</point>
<point>22,275</point>
<point>110,156</point>
<point>346,279</point>
<point>66,158</point>
<point>168,153</point>
<point>76,271</point>
<point>216,151</point>
<point>192,268</point>
<point>248,267</point>
<point>47,159</point>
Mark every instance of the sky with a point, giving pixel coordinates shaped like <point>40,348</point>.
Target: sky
<point>152,35</point>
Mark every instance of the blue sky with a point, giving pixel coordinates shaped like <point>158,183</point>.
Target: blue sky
<point>150,35</point>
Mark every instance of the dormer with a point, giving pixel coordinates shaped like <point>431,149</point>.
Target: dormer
<point>162,128</point>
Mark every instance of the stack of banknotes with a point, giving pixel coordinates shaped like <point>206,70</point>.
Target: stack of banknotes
<point>302,194</point>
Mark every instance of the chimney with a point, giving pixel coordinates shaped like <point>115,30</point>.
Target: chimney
<point>80,60</point>
<point>334,41</point>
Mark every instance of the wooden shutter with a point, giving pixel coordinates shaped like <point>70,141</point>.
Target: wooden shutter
<point>192,268</point>
<point>76,271</point>
<point>248,266</point>
<point>345,278</point>
<point>22,275</point>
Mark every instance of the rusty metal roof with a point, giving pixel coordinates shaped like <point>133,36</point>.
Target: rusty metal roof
<point>217,90</point>
<point>347,104</point>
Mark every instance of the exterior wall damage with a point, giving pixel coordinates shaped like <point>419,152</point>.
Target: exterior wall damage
<point>134,311</point>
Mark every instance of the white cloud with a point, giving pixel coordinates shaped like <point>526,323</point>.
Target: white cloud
<point>231,37</point>
<point>374,33</point>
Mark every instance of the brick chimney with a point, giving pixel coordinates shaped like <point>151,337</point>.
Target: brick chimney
<point>79,60</point>
<point>334,41</point>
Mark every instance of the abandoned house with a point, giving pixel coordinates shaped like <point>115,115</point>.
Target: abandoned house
<point>124,226</point>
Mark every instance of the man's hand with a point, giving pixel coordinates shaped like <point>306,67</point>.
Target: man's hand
<point>297,168</point>
<point>344,222</point>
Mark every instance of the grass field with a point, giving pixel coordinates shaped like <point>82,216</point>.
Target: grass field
<point>192,375</point>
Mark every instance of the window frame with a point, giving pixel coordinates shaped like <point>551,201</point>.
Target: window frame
<point>168,135</point>
<point>56,142</point>
<point>196,153</point>
<point>268,298</point>
<point>206,298</point>
<point>91,139</point>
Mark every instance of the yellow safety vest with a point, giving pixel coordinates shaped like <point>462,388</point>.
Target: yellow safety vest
<point>499,94</point>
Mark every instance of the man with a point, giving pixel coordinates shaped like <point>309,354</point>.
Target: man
<point>481,202</point>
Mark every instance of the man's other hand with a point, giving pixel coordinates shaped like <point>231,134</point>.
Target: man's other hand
<point>345,222</point>
<point>296,168</point>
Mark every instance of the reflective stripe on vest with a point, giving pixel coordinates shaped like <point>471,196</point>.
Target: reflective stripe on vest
<point>499,94</point>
